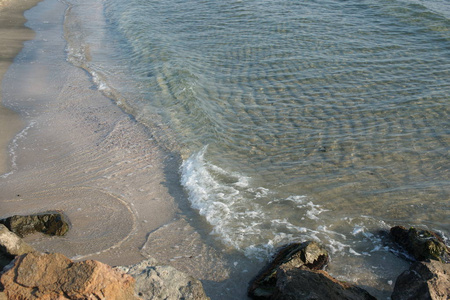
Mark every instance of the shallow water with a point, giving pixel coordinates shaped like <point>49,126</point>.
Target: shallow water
<point>323,120</point>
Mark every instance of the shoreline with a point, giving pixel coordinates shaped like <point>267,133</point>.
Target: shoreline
<point>13,34</point>
<point>57,153</point>
<point>80,154</point>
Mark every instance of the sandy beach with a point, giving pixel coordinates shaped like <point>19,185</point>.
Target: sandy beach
<point>12,35</point>
<point>78,153</point>
<point>73,138</point>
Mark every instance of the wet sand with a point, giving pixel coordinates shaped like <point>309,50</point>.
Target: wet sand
<point>12,35</point>
<point>79,153</point>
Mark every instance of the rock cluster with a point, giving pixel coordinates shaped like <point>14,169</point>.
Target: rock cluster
<point>295,273</point>
<point>49,223</point>
<point>28,274</point>
<point>429,276</point>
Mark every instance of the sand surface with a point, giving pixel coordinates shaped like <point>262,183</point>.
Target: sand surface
<point>78,153</point>
<point>12,35</point>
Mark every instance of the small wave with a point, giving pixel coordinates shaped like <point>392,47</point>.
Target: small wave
<point>246,217</point>
<point>439,7</point>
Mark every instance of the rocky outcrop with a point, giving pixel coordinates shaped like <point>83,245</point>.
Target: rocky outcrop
<point>295,255</point>
<point>54,276</point>
<point>295,273</point>
<point>10,246</point>
<point>421,244</point>
<point>306,284</point>
<point>429,276</point>
<point>164,282</point>
<point>48,223</point>
<point>424,280</point>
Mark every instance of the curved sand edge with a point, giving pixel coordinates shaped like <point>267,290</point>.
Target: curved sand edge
<point>81,154</point>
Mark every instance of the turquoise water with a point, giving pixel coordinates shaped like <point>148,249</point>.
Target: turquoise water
<point>324,120</point>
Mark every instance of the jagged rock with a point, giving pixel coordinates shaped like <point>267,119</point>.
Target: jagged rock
<point>10,246</point>
<point>425,281</point>
<point>306,284</point>
<point>54,276</point>
<point>164,282</point>
<point>296,255</point>
<point>421,244</point>
<point>48,223</point>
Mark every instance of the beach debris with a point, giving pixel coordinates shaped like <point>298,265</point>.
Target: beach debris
<point>421,244</point>
<point>51,223</point>
<point>164,282</point>
<point>424,280</point>
<point>54,276</point>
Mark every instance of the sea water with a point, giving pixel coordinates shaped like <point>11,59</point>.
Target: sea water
<point>317,120</point>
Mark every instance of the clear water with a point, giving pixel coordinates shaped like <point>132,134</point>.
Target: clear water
<point>324,120</point>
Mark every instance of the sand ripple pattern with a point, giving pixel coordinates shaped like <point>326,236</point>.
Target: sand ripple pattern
<point>346,103</point>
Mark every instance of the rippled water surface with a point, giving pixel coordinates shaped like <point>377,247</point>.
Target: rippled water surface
<point>296,120</point>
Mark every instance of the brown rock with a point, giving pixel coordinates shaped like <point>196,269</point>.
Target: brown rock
<point>306,284</point>
<point>425,281</point>
<point>54,276</point>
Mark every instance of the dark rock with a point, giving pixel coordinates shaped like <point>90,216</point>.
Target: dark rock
<point>421,244</point>
<point>305,284</point>
<point>308,254</point>
<point>48,223</point>
<point>424,280</point>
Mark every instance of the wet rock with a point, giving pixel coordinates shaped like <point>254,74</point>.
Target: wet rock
<point>308,254</point>
<point>306,284</point>
<point>164,282</point>
<point>54,276</point>
<point>10,246</point>
<point>424,280</point>
<point>48,223</point>
<point>421,244</point>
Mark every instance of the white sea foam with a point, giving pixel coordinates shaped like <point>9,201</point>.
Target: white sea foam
<point>13,148</point>
<point>229,202</point>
